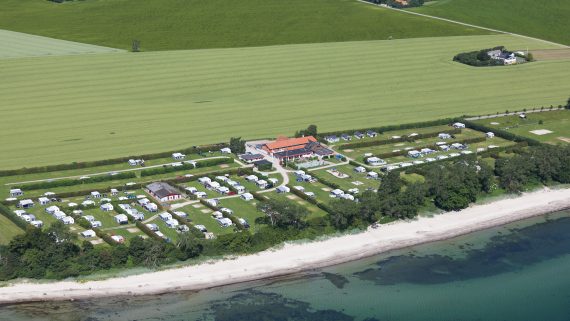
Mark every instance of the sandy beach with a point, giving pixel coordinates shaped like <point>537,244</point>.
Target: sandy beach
<point>293,258</point>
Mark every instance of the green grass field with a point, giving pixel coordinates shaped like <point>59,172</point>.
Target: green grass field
<point>17,45</point>
<point>557,122</point>
<point>541,19</point>
<point>8,230</point>
<point>191,24</point>
<point>87,107</point>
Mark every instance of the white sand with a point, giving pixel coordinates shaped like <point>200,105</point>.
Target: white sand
<point>541,132</point>
<point>298,257</point>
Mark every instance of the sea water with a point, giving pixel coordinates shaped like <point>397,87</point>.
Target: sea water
<point>520,271</point>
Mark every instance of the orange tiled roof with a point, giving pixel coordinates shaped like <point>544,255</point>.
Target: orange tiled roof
<point>290,142</point>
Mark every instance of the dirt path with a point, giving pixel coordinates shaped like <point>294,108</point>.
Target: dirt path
<point>551,54</point>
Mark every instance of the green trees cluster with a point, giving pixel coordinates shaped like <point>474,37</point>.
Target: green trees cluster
<point>311,130</point>
<point>394,200</point>
<point>454,186</point>
<point>479,58</point>
<point>54,253</point>
<point>282,213</point>
<point>543,164</point>
<point>237,145</point>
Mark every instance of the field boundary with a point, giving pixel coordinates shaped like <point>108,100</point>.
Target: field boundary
<point>466,24</point>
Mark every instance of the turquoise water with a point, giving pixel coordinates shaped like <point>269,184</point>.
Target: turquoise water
<point>516,272</point>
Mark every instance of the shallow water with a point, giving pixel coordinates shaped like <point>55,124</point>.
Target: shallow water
<point>516,272</point>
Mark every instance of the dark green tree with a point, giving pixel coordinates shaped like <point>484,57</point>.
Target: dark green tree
<point>189,246</point>
<point>282,213</point>
<point>237,145</point>
<point>344,213</point>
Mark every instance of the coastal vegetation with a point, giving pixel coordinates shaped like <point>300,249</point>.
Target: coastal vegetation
<point>194,24</point>
<point>157,105</point>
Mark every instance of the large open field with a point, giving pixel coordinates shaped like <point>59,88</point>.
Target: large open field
<point>17,45</point>
<point>541,19</point>
<point>191,24</point>
<point>85,107</point>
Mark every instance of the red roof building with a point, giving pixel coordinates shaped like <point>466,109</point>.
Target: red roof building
<point>287,144</point>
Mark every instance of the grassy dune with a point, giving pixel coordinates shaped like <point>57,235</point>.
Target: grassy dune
<point>191,24</point>
<point>63,109</point>
<point>17,45</point>
<point>541,19</point>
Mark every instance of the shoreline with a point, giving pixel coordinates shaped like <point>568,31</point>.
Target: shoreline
<point>292,258</point>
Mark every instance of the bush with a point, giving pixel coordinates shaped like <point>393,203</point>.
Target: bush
<point>148,231</point>
<point>13,217</point>
<point>104,236</point>
<point>479,58</point>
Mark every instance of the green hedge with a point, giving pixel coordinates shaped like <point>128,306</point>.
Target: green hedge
<point>13,217</point>
<point>313,201</point>
<point>369,143</point>
<point>79,165</point>
<point>183,221</point>
<point>73,182</point>
<point>226,215</point>
<point>199,164</point>
<point>325,181</point>
<point>174,181</point>
<point>258,196</point>
<point>104,236</point>
<point>382,129</point>
<point>434,146</point>
<point>142,226</point>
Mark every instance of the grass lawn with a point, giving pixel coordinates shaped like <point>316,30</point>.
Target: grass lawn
<point>314,211</point>
<point>497,141</point>
<point>321,191</point>
<point>358,153</point>
<point>540,19</point>
<point>8,181</point>
<point>17,45</point>
<point>191,24</point>
<point>389,134</point>
<point>106,218</point>
<point>8,230</point>
<point>201,215</point>
<point>243,209</point>
<point>167,231</point>
<point>557,122</point>
<point>346,183</point>
<point>185,98</point>
<point>127,233</point>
